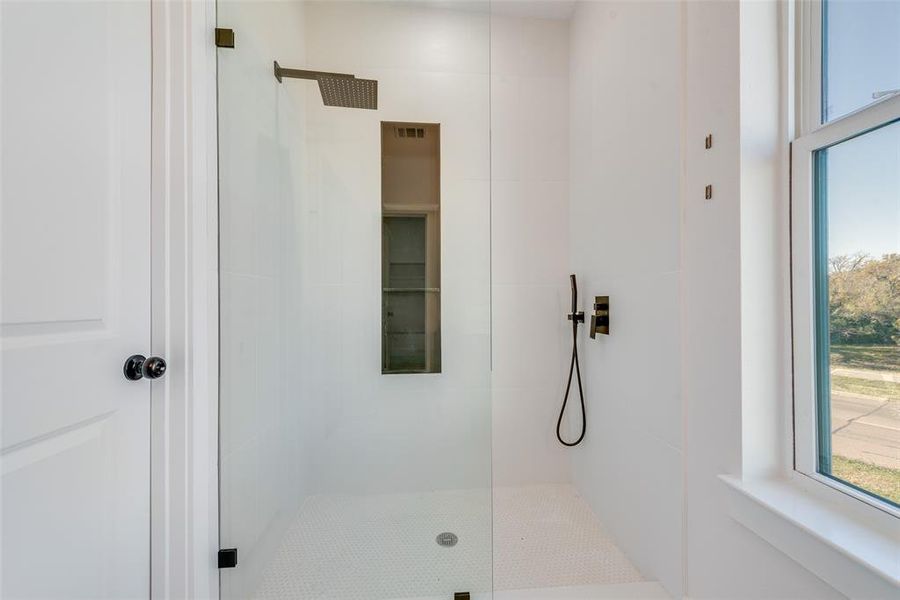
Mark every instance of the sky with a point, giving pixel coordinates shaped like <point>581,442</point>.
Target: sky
<point>863,57</point>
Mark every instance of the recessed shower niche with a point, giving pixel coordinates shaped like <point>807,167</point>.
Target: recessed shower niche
<point>411,247</point>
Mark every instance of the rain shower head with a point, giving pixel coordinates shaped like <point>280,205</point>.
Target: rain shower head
<point>349,92</point>
<point>337,89</point>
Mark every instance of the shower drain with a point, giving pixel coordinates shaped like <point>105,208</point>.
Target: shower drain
<point>447,539</point>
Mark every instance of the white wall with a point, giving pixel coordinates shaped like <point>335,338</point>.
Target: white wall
<point>649,81</point>
<point>723,92</point>
<point>626,163</point>
<point>263,422</point>
<point>395,433</point>
<point>531,338</point>
<point>499,87</point>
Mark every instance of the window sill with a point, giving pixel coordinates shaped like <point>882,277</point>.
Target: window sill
<point>857,558</point>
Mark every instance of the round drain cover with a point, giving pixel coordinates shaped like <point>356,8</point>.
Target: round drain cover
<point>447,539</point>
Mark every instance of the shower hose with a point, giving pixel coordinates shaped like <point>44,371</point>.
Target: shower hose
<point>573,367</point>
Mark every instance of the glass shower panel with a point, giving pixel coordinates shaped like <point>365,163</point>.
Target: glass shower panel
<point>341,476</point>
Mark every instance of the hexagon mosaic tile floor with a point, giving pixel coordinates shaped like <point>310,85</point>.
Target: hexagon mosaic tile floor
<point>384,546</point>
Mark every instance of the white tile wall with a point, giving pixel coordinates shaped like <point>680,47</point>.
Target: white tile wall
<point>624,220</point>
<point>529,246</point>
<point>530,232</point>
<point>398,432</point>
<point>378,433</point>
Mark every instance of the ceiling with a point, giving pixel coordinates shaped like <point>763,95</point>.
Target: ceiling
<point>544,9</point>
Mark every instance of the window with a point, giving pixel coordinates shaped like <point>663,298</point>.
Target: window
<point>845,242</point>
<point>860,54</point>
<point>410,248</point>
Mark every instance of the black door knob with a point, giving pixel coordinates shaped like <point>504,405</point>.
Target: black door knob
<point>154,367</point>
<point>139,366</point>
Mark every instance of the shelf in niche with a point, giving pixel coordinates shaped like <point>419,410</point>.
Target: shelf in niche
<point>410,208</point>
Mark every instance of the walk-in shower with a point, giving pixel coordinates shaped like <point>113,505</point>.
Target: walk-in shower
<point>391,347</point>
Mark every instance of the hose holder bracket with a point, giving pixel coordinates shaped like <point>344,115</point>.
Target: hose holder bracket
<point>578,316</point>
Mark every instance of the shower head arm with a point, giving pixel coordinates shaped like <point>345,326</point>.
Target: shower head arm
<point>337,89</point>
<point>281,72</point>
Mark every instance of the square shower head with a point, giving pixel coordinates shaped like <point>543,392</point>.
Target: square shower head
<point>348,92</point>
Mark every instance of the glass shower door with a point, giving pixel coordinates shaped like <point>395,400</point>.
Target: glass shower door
<point>354,204</point>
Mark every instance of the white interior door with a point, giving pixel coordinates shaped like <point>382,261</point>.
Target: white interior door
<point>75,298</point>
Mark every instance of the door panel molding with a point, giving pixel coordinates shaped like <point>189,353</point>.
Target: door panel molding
<point>46,446</point>
<point>184,420</point>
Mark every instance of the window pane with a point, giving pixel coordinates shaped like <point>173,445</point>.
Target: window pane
<point>858,311</point>
<point>861,54</point>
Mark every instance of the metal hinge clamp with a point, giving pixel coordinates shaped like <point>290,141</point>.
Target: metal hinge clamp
<point>227,558</point>
<point>224,38</point>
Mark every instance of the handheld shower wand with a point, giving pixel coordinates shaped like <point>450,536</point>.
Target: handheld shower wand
<point>575,317</point>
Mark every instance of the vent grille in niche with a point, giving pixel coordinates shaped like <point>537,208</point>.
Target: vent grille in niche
<point>410,132</point>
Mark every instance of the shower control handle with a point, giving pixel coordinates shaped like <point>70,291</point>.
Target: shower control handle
<point>138,366</point>
<point>600,318</point>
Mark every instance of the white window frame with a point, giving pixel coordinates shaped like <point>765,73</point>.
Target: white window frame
<point>812,135</point>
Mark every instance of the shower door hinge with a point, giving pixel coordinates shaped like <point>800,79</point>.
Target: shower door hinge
<point>227,558</point>
<point>224,38</point>
<point>461,596</point>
